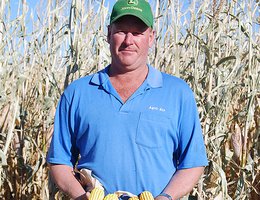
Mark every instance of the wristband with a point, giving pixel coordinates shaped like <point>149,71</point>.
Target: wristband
<point>166,195</point>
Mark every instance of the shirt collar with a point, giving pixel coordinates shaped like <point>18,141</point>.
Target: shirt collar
<point>101,77</point>
<point>154,78</point>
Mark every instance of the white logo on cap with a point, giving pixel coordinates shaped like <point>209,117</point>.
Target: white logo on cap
<point>132,2</point>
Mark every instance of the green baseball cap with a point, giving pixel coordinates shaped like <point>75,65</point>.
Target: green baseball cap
<point>137,8</point>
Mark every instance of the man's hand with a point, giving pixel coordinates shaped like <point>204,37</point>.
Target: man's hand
<point>83,197</point>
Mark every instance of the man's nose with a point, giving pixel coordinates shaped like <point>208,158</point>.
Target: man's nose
<point>129,38</point>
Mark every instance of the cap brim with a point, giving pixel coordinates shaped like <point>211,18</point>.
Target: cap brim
<point>133,14</point>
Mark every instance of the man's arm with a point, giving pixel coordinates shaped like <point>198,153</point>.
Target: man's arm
<point>64,178</point>
<point>182,183</point>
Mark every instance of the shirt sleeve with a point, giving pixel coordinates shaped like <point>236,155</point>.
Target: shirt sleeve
<point>63,145</point>
<point>191,151</point>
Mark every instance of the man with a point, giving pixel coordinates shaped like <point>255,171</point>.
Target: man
<point>136,128</point>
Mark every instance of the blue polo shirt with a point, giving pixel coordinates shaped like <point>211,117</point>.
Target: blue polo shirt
<point>133,146</point>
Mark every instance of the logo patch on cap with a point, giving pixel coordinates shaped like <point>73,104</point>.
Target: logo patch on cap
<point>132,2</point>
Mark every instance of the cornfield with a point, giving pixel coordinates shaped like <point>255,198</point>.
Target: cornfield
<point>213,45</point>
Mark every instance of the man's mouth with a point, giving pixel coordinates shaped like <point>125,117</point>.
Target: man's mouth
<point>127,50</point>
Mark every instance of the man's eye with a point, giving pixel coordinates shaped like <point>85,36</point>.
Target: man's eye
<point>137,33</point>
<point>121,32</point>
<point>133,33</point>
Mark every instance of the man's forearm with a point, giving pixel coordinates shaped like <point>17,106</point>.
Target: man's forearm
<point>182,182</point>
<point>64,178</point>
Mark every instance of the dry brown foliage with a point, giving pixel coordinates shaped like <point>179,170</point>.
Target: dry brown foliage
<point>213,45</point>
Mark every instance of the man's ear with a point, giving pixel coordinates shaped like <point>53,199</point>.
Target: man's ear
<point>151,37</point>
<point>108,33</point>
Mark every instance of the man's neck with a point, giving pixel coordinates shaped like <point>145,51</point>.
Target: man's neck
<point>128,71</point>
<point>126,83</point>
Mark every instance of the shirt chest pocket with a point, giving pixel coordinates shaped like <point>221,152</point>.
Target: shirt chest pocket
<point>152,130</point>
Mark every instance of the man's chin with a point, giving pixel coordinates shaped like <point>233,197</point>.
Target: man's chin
<point>128,61</point>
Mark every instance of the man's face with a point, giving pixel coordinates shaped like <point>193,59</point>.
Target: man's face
<point>130,40</point>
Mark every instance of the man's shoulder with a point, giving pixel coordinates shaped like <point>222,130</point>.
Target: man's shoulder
<point>79,83</point>
<point>81,86</point>
<point>174,81</point>
<point>168,81</point>
<point>91,79</point>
